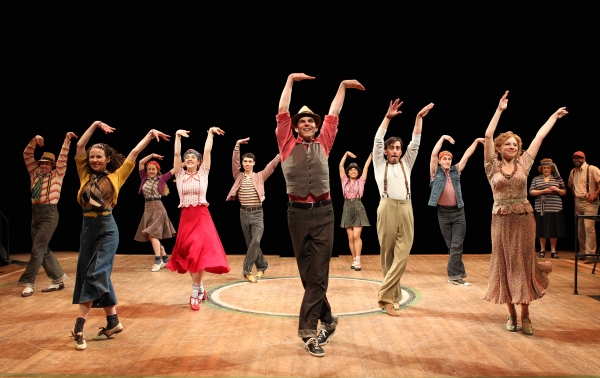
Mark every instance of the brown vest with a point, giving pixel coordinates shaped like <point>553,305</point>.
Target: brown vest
<point>304,175</point>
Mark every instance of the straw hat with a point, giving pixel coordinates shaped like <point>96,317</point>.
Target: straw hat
<point>306,112</point>
<point>48,156</point>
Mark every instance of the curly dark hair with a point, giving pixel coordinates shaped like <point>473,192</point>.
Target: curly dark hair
<point>115,162</point>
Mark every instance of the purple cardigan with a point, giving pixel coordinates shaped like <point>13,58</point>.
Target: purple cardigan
<point>162,179</point>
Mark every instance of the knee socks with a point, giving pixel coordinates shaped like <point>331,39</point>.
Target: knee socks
<point>165,259</point>
<point>157,260</point>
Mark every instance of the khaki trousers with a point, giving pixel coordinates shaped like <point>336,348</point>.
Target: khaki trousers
<point>395,230</point>
<point>586,228</point>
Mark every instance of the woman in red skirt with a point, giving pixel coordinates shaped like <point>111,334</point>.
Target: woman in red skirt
<point>198,247</point>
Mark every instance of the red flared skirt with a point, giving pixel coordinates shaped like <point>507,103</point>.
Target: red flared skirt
<point>198,245</point>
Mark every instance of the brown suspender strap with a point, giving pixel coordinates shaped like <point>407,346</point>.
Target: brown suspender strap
<point>385,181</point>
<point>385,194</point>
<point>405,180</point>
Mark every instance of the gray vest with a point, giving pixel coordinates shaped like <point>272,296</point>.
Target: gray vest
<point>304,174</point>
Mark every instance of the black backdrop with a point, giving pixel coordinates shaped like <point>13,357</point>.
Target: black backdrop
<point>136,83</point>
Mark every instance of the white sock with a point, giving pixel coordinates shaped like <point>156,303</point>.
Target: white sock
<point>195,290</point>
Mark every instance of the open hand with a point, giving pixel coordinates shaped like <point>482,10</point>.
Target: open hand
<point>71,134</point>
<point>351,154</point>
<point>242,141</point>
<point>503,104</point>
<point>104,127</point>
<point>301,76</point>
<point>561,112</point>
<point>157,156</point>
<point>183,133</point>
<point>394,109</point>
<point>216,130</point>
<point>159,134</point>
<point>481,140</point>
<point>425,110</point>
<point>353,84</point>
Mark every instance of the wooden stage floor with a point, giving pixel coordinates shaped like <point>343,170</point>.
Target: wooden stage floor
<point>250,330</point>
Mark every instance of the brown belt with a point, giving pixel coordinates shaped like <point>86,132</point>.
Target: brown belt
<point>94,214</point>
<point>251,208</point>
<point>309,205</point>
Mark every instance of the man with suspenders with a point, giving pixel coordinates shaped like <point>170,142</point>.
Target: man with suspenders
<point>395,221</point>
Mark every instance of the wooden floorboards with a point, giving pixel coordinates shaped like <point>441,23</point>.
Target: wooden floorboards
<point>446,331</point>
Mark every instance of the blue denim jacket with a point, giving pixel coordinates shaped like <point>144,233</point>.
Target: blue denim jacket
<point>438,183</point>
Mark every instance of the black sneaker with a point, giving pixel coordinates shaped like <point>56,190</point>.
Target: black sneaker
<point>459,282</point>
<point>325,336</point>
<point>312,344</point>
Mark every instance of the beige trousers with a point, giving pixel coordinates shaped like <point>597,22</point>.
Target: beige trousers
<point>395,230</point>
<point>586,228</point>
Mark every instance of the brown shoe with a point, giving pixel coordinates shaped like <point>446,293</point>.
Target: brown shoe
<point>389,309</point>
<point>250,277</point>
<point>54,287</point>
<point>260,274</point>
<point>588,261</point>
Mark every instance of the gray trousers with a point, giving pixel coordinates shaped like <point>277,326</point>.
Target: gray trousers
<point>253,228</point>
<point>453,226</point>
<point>44,219</point>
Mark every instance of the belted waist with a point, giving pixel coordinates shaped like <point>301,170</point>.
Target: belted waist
<point>251,208</point>
<point>309,205</point>
<point>510,201</point>
<point>96,213</point>
<point>153,199</point>
<point>455,207</point>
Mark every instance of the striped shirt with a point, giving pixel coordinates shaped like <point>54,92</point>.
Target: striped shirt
<point>547,203</point>
<point>247,194</point>
<point>52,184</point>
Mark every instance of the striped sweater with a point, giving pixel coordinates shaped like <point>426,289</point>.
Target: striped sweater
<point>49,195</point>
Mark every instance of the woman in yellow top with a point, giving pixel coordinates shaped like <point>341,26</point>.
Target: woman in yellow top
<point>102,171</point>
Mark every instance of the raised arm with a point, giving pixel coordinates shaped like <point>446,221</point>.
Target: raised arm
<point>338,100</point>
<point>489,132</point>
<point>177,161</point>
<point>235,160</point>
<point>544,130</point>
<point>142,164</point>
<point>152,134</point>
<point>286,95</point>
<point>61,161</point>
<point>88,134</point>
<point>419,120</point>
<point>366,168</point>
<point>28,154</point>
<point>469,152</point>
<point>393,111</point>
<point>433,162</point>
<point>209,143</point>
<point>343,163</point>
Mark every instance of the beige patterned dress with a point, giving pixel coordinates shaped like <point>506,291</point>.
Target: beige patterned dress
<point>515,274</point>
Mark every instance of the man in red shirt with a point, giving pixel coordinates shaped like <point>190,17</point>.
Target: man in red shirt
<point>304,161</point>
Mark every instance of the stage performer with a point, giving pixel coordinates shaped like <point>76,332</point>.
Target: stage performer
<point>102,171</point>
<point>515,275</point>
<point>446,195</point>
<point>155,224</point>
<point>304,161</point>
<point>584,182</point>
<point>45,180</point>
<point>249,189</point>
<point>354,216</point>
<point>547,188</point>
<point>395,221</point>
<point>198,247</point>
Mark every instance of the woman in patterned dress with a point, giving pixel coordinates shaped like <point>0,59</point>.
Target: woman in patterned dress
<point>550,222</point>
<point>155,224</point>
<point>198,247</point>
<point>515,275</point>
<point>354,217</point>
